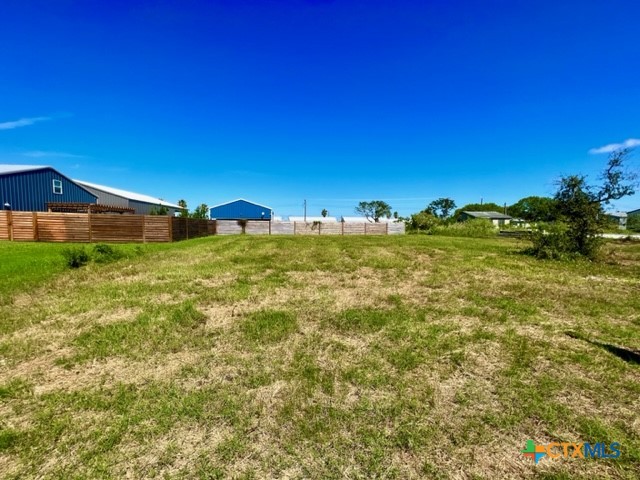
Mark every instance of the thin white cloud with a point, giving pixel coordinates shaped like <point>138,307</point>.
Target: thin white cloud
<point>612,147</point>
<point>23,122</point>
<point>44,154</point>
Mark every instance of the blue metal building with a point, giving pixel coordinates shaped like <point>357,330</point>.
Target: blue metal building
<point>240,209</point>
<point>29,188</point>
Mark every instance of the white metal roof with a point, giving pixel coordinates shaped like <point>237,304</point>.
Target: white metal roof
<point>313,219</point>
<point>240,200</point>
<point>5,168</point>
<point>488,214</point>
<point>138,197</point>
<point>617,214</point>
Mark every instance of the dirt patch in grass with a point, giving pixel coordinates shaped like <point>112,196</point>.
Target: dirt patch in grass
<point>186,446</point>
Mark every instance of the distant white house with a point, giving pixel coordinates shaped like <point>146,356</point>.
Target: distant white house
<point>313,219</point>
<point>618,218</point>
<point>367,220</point>
<point>498,219</point>
<point>115,197</point>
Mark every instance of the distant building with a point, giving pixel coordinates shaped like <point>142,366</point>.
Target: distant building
<point>619,219</point>
<point>313,219</point>
<point>498,219</point>
<point>240,209</point>
<point>30,188</point>
<point>633,212</point>
<point>141,204</point>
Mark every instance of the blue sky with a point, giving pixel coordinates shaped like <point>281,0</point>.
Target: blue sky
<point>332,101</point>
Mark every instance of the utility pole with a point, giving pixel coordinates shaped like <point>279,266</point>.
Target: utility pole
<point>305,210</point>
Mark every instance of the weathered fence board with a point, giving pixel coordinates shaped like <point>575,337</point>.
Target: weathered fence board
<point>185,228</point>
<point>157,228</point>
<point>302,228</point>
<point>282,228</point>
<point>116,228</point>
<point>228,227</point>
<point>257,227</point>
<point>23,226</point>
<point>4,225</point>
<point>397,228</point>
<point>63,227</point>
<point>375,228</point>
<point>354,228</point>
<point>331,228</point>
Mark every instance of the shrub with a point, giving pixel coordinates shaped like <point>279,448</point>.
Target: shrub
<point>103,253</point>
<point>423,222</point>
<point>75,257</point>
<point>557,241</point>
<point>475,228</point>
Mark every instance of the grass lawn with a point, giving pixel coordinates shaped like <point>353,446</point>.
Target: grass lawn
<point>328,357</point>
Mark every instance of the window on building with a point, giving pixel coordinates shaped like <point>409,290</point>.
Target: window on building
<point>57,187</point>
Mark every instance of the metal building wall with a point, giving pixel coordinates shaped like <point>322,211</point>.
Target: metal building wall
<point>240,210</point>
<point>105,198</point>
<point>30,191</point>
<point>144,208</point>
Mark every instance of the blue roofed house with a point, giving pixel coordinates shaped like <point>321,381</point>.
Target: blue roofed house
<point>30,188</point>
<point>240,209</point>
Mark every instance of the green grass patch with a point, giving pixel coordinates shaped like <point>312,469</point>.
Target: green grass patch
<point>315,357</point>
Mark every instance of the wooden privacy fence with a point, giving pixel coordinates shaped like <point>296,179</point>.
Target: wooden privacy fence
<point>85,227</point>
<point>88,227</point>
<point>263,227</point>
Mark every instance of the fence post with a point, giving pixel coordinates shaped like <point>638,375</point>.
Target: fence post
<point>10,223</point>
<point>269,227</point>
<point>170,223</point>
<point>365,228</point>
<point>36,236</point>
<point>342,227</point>
<point>89,224</point>
<point>186,223</point>
<point>387,232</point>
<point>320,228</point>
<point>294,227</point>
<point>144,229</point>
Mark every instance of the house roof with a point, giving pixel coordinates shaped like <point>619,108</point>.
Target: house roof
<point>489,215</point>
<point>240,200</point>
<point>634,212</point>
<point>6,169</point>
<point>313,219</point>
<point>138,197</point>
<point>617,214</point>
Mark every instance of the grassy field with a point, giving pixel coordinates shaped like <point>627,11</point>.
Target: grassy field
<point>298,357</point>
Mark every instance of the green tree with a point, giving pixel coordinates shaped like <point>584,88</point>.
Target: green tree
<point>534,209</point>
<point>324,212</point>
<point>633,222</point>
<point>184,210</point>
<point>374,210</point>
<point>201,211</point>
<point>159,210</point>
<point>441,207</point>
<point>580,208</point>
<point>423,221</point>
